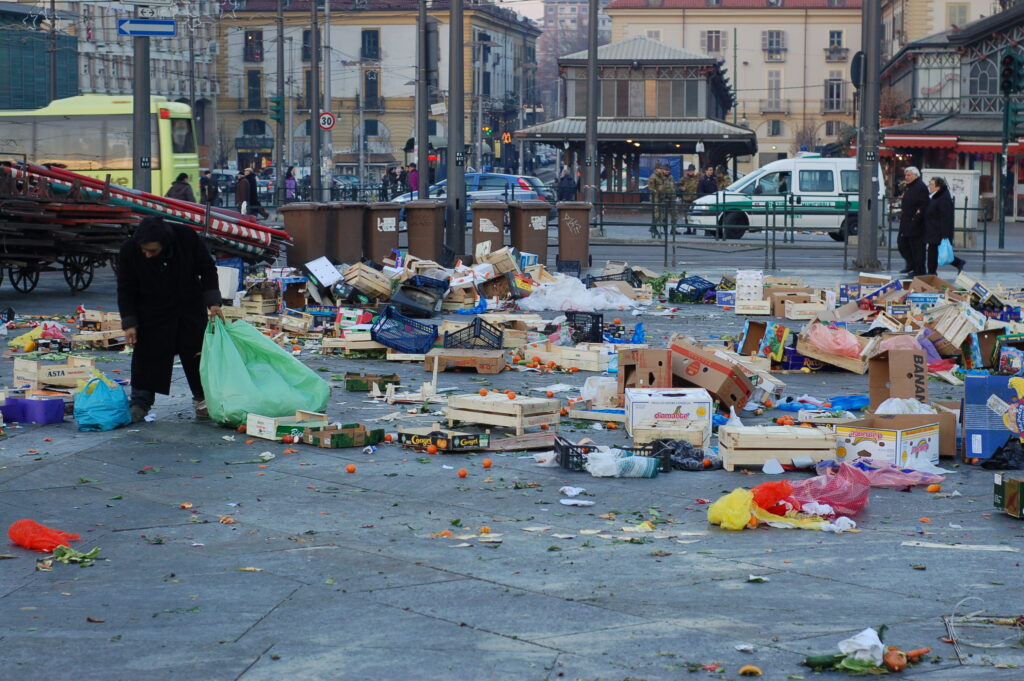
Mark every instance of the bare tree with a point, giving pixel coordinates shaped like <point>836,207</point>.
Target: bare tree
<point>806,136</point>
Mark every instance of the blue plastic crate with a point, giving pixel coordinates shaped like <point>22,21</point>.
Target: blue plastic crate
<point>403,333</point>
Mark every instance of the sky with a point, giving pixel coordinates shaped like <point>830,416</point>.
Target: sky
<point>533,9</point>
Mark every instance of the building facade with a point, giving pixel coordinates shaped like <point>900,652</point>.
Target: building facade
<point>788,61</point>
<point>372,80</point>
<point>182,68</point>
<point>905,21</point>
<point>25,52</point>
<point>566,30</point>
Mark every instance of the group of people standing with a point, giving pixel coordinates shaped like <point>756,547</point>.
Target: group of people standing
<point>398,180</point>
<point>664,190</point>
<point>926,218</point>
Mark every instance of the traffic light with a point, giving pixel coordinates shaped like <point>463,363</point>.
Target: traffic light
<point>487,130</point>
<point>1011,75</point>
<point>1016,116</point>
<point>276,108</point>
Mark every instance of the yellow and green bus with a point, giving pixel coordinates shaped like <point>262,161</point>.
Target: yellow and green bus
<point>92,135</point>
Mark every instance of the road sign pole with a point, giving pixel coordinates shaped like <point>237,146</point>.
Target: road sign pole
<point>141,118</point>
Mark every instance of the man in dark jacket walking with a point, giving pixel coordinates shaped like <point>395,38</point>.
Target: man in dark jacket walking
<point>912,205</point>
<point>937,224</point>
<point>181,189</point>
<point>166,290</point>
<point>208,189</point>
<point>254,195</point>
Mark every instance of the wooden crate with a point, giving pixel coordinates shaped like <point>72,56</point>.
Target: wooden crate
<point>368,280</point>
<point>483,361</point>
<point>692,432</point>
<point>276,427</point>
<point>104,340</point>
<point>97,320</point>
<point>351,341</point>
<point>802,311</point>
<point>753,307</point>
<point>38,374</point>
<point>258,306</point>
<point>754,445</point>
<point>857,366</point>
<point>498,410</point>
<point>585,411</point>
<point>361,382</point>
<point>501,260</point>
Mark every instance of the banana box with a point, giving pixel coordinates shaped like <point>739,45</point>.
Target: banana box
<point>905,440</point>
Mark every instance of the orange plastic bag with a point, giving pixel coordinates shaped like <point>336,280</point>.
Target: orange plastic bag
<point>31,535</point>
<point>775,497</point>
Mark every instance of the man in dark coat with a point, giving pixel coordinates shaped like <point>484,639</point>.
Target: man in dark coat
<point>912,205</point>
<point>166,290</point>
<point>208,189</point>
<point>708,184</point>
<point>181,189</point>
<point>937,225</point>
<point>254,195</point>
<point>242,193</point>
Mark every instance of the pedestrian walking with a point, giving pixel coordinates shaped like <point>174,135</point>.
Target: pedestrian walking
<point>707,184</point>
<point>181,189</point>
<point>208,190</point>
<point>166,290</point>
<point>290,185</point>
<point>912,206</point>
<point>414,178</point>
<point>937,225</point>
<point>254,195</point>
<point>242,194</point>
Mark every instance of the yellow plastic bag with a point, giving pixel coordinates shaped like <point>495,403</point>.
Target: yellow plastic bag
<point>733,510</point>
<point>26,341</point>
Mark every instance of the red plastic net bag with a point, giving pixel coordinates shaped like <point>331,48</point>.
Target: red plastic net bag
<point>846,491</point>
<point>31,535</point>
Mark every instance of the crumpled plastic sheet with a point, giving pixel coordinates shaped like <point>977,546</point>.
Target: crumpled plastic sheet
<point>881,473</point>
<point>899,343</point>
<point>902,405</point>
<point>836,341</point>
<point>569,293</point>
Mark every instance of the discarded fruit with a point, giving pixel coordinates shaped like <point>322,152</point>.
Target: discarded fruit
<point>564,412</point>
<point>933,488</point>
<point>544,426</point>
<point>296,348</point>
<point>463,472</point>
<point>924,520</point>
<point>485,530</point>
<point>916,655</point>
<point>536,360</point>
<point>510,395</point>
<point>431,449</point>
<point>549,394</point>
<point>351,468</point>
<point>389,438</point>
<point>487,463</point>
<point>616,321</point>
<point>611,425</point>
<point>287,439</point>
<point>895,660</point>
<point>484,392</point>
<point>750,670</point>
<point>240,429</point>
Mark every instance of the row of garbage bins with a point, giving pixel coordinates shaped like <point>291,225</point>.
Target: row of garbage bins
<point>346,231</point>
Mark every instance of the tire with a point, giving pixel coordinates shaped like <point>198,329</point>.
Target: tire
<point>849,227</point>
<point>735,225</point>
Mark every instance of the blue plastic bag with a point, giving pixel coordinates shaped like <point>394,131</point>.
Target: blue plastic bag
<point>945,252</point>
<point>102,404</point>
<point>244,372</point>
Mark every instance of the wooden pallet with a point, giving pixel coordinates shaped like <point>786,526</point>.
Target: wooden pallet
<point>694,432</point>
<point>483,361</point>
<point>103,340</point>
<point>519,413</point>
<point>352,341</point>
<point>754,445</point>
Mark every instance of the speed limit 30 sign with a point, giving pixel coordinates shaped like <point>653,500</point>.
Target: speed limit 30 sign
<point>327,120</point>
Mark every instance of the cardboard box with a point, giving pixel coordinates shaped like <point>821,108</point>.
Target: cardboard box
<point>445,440</point>
<point>761,308</point>
<point>898,373</point>
<point>34,373</point>
<point>348,435</point>
<point>907,441</point>
<point>878,280</point>
<point>949,426</point>
<point>695,365</point>
<point>930,284</point>
<point>650,368</point>
<point>276,427</point>
<point>992,414</point>
<point>1008,494</point>
<point>676,405</point>
<point>980,349</point>
<point>725,298</point>
<point>802,311</point>
<point>797,295</point>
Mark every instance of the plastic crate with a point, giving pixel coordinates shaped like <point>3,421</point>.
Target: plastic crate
<point>574,457</point>
<point>479,334</point>
<point>573,268</point>
<point>402,333</point>
<point>417,301</point>
<point>615,330</point>
<point>627,275</point>
<point>427,282</point>
<point>587,327</point>
<point>447,257</point>
<point>690,290</point>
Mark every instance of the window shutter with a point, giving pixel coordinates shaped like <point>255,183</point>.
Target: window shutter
<point>703,41</point>
<point>723,41</point>
<point>782,40</point>
<point>764,40</point>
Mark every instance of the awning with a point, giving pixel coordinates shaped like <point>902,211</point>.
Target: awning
<point>988,147</point>
<point>921,141</point>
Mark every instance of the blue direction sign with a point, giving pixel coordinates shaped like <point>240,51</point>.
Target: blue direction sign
<point>160,28</point>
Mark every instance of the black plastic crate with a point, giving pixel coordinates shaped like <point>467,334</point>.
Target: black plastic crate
<point>573,268</point>
<point>403,333</point>
<point>627,275</point>
<point>690,290</point>
<point>617,331</point>
<point>447,257</point>
<point>587,327</point>
<point>572,457</point>
<point>417,301</point>
<point>479,334</point>
<point>427,282</point>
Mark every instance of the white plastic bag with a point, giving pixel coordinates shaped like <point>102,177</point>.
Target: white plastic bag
<point>603,463</point>
<point>601,391</point>
<point>899,405</point>
<point>569,293</point>
<point>865,646</point>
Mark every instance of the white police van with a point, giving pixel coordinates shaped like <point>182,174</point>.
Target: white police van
<point>804,193</point>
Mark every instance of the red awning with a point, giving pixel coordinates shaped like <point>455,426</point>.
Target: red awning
<point>987,147</point>
<point>920,141</point>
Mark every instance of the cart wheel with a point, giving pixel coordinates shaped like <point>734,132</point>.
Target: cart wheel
<point>78,272</point>
<point>23,279</point>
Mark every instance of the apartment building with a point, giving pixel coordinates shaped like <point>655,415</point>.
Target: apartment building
<point>373,70</point>
<point>904,21</point>
<point>788,61</point>
<point>566,30</point>
<point>181,68</point>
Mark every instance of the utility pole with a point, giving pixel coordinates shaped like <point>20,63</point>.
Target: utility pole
<point>478,85</point>
<point>328,101</point>
<point>289,156</point>
<point>142,161</point>
<point>422,102</point>
<point>735,89</point>
<point>281,159</point>
<point>520,144</point>
<point>590,177</point>
<point>192,64</point>
<point>455,224</point>
<point>867,142</point>
<point>314,103</point>
<point>53,50</point>
<point>361,146</point>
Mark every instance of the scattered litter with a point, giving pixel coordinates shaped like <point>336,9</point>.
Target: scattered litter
<point>961,547</point>
<point>576,502</point>
<point>571,491</point>
<point>758,579</point>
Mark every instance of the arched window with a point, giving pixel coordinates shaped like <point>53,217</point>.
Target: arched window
<point>254,126</point>
<point>984,78</point>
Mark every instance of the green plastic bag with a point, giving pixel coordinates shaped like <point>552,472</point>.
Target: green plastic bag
<point>244,372</point>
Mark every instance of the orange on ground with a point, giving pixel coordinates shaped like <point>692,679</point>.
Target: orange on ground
<point>463,472</point>
<point>536,360</point>
<point>564,412</point>
<point>389,438</point>
<point>485,530</point>
<point>240,429</point>
<point>933,488</point>
<point>487,463</point>
<point>549,394</point>
<point>287,439</point>
<point>431,449</point>
<point>611,425</point>
<point>544,426</point>
<point>510,395</point>
<point>351,468</point>
<point>484,392</point>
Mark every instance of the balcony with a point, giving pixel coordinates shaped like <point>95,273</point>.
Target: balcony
<point>775,54</point>
<point>774,106</point>
<point>373,103</point>
<point>836,106</point>
<point>837,54</point>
